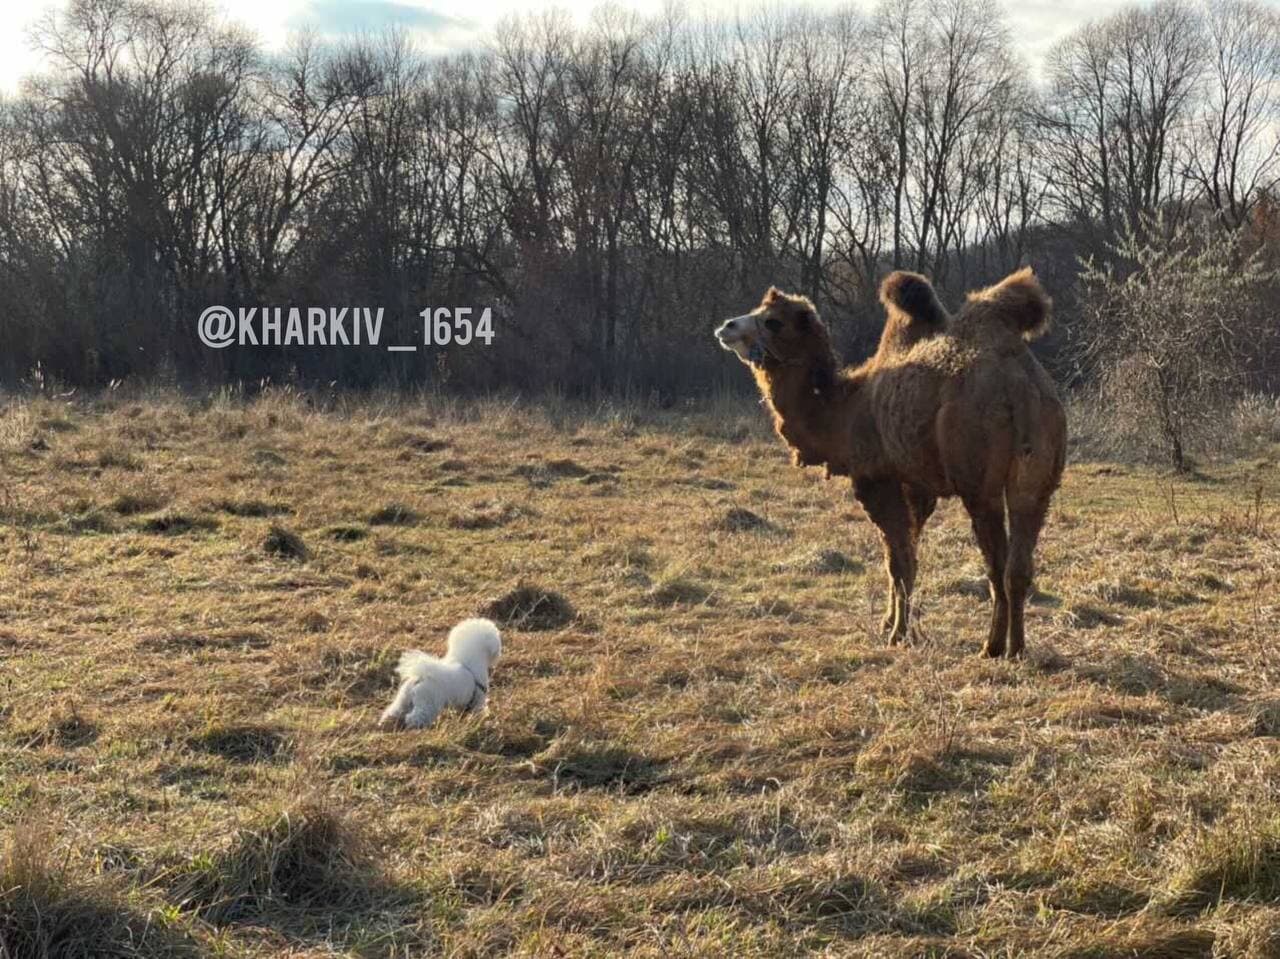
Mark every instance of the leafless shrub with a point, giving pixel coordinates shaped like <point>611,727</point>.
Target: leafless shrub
<point>1167,329</point>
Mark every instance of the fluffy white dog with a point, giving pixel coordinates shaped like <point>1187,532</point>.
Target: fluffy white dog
<point>428,684</point>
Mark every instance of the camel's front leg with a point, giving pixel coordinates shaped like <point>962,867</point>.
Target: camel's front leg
<point>886,506</point>
<point>890,609</point>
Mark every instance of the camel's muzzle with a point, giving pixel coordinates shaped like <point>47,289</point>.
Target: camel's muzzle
<point>736,329</point>
<point>739,335</point>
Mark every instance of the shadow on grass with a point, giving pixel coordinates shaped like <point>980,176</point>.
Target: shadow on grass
<point>921,768</point>
<point>242,743</point>
<point>1142,675</point>
<point>574,764</point>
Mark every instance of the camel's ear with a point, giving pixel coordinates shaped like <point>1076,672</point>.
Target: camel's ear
<point>771,296</point>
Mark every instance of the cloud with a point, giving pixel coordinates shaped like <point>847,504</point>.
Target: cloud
<point>359,16</point>
<point>1038,24</point>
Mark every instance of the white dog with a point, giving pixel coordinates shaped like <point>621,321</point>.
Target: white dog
<point>428,684</point>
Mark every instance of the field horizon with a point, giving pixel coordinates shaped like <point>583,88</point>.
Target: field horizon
<point>697,741</point>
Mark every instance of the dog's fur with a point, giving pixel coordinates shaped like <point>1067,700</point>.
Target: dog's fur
<point>429,684</point>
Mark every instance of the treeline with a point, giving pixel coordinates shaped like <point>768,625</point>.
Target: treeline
<point>609,189</point>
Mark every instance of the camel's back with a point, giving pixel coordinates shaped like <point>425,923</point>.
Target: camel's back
<point>1002,418</point>
<point>907,391</point>
<point>956,409</point>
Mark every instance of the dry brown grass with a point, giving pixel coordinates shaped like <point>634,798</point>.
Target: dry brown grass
<point>697,743</point>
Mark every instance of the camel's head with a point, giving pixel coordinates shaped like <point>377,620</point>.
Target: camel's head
<point>784,330</point>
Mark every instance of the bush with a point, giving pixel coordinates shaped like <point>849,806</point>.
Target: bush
<point>1169,330</point>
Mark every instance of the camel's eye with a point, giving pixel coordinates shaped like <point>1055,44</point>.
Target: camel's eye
<point>773,326</point>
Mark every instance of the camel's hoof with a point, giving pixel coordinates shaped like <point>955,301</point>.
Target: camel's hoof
<point>391,723</point>
<point>911,636</point>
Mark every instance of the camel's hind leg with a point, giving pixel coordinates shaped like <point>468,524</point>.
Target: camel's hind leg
<point>1025,521</point>
<point>988,529</point>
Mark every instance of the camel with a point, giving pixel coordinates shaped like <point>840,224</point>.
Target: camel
<point>947,406</point>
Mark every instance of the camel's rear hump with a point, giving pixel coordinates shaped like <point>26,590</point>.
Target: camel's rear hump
<point>1018,303</point>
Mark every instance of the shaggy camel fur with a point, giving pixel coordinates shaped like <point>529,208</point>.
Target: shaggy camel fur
<point>946,407</point>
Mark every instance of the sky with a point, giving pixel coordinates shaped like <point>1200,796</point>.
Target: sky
<point>444,25</point>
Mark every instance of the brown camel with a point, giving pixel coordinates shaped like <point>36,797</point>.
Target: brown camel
<point>946,407</point>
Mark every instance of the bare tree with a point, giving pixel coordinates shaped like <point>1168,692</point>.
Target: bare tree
<point>824,125</point>
<point>1120,98</point>
<point>900,50</point>
<point>603,182</point>
<point>1009,185</point>
<point>1237,150</point>
<point>305,102</point>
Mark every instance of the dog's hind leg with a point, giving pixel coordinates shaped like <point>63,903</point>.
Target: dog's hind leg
<point>394,715</point>
<point>422,714</point>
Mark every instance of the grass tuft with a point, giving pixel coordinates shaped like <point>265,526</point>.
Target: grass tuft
<point>116,457</point>
<point>63,726</point>
<point>48,910</point>
<point>1264,717</point>
<point>1238,858</point>
<point>678,591</point>
<point>530,607</point>
<point>820,562</point>
<point>137,501</point>
<point>739,520</point>
<point>304,856</point>
<point>285,543</point>
<point>393,514</point>
<point>485,515</point>
<point>173,523</point>
<point>90,521</point>
<point>250,508</point>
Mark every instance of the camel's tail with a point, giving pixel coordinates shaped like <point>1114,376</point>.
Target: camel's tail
<point>911,294</point>
<point>1018,301</point>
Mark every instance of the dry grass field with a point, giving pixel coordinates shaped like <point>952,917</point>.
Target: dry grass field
<point>697,744</point>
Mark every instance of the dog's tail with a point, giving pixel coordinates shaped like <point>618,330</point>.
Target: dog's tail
<point>410,664</point>
<point>1018,303</point>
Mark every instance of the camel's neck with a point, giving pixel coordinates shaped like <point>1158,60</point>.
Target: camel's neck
<point>816,410</point>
